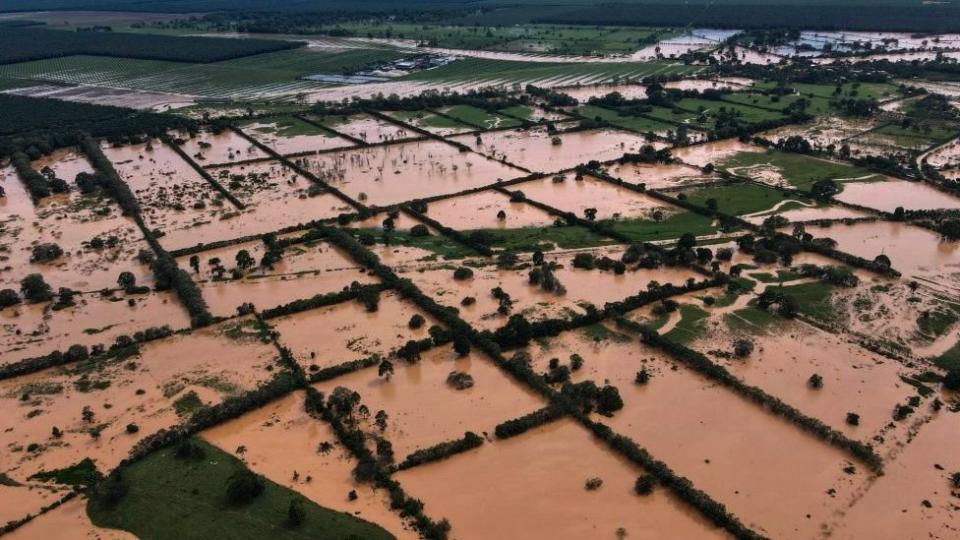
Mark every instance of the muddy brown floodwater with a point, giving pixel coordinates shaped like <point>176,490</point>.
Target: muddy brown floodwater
<point>889,195</point>
<point>610,201</point>
<point>538,150</point>
<point>537,491</point>
<point>480,211</point>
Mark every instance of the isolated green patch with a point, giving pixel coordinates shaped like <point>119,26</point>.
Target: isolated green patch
<point>167,497</point>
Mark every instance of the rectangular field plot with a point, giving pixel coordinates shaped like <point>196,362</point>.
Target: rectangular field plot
<point>282,443</point>
<point>538,150</point>
<point>96,242</point>
<point>532,113</point>
<point>767,472</point>
<point>557,459</point>
<point>332,335</point>
<point>385,175</point>
<point>289,135</point>
<point>306,270</point>
<point>366,127</point>
<point>578,195</point>
<point>581,287</point>
<point>479,118</point>
<point>482,211</point>
<point>434,123</point>
<point>716,152</point>
<point>786,354</point>
<point>659,176</point>
<point>888,196</point>
<point>32,330</point>
<point>633,123</point>
<point>740,199</point>
<point>177,375</point>
<point>793,170</point>
<point>217,148</point>
<point>425,410</point>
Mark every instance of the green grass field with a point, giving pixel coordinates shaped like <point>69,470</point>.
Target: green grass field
<point>169,497</point>
<point>674,226</point>
<point>690,326</point>
<point>746,113</point>
<point>545,238</point>
<point>739,199</point>
<point>270,73</point>
<point>798,170</point>
<point>635,123</point>
<point>814,301</point>
<point>479,117</point>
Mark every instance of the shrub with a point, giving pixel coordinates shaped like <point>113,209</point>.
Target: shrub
<point>462,273</point>
<point>460,380</point>
<point>243,487</point>
<point>853,419</point>
<point>593,484</point>
<point>742,348</point>
<point>461,345</point>
<point>34,289</point>
<point>952,379</point>
<point>815,381</point>
<point>419,230</point>
<point>43,253</point>
<point>416,321</point>
<point>295,513</point>
<point>583,260</point>
<point>8,297</point>
<point>645,484</point>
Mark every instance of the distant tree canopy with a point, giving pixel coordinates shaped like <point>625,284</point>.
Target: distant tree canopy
<point>24,44</point>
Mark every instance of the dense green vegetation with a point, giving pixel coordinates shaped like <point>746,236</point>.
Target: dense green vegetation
<point>169,496</point>
<point>674,226</point>
<point>739,199</point>
<point>23,44</point>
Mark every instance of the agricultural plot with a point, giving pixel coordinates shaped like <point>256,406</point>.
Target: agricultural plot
<point>740,199</point>
<point>433,123</point>
<point>280,441</point>
<point>892,194</point>
<point>217,148</point>
<point>228,280</point>
<point>538,150</point>
<point>479,118</point>
<point>483,211</point>
<point>367,128</point>
<point>79,241</point>
<point>392,174</point>
<point>482,71</point>
<point>92,403</point>
<point>575,459</point>
<point>289,135</point>
<point>332,335</point>
<point>660,176</point>
<point>638,124</point>
<point>793,170</point>
<point>425,410</point>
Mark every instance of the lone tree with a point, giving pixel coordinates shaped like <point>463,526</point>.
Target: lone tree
<point>742,348</point>
<point>195,263</point>
<point>244,259</point>
<point>8,297</point>
<point>385,369</point>
<point>34,289</point>
<point>43,253</point>
<point>126,281</point>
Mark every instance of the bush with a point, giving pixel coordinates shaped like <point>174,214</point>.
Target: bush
<point>243,487</point>
<point>593,484</point>
<point>34,289</point>
<point>742,348</point>
<point>416,321</point>
<point>462,273</point>
<point>43,253</point>
<point>295,513</point>
<point>952,380</point>
<point>645,484</point>
<point>419,230</point>
<point>459,380</point>
<point>8,297</point>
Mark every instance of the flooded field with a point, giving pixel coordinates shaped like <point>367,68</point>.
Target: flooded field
<point>713,152</point>
<point>367,127</point>
<point>216,148</point>
<point>538,150</point>
<point>90,405</point>
<point>482,211</point>
<point>557,458</point>
<point>392,174</point>
<point>345,332</point>
<point>891,194</point>
<point>281,442</point>
<point>289,135</point>
<point>659,176</point>
<point>425,410</point>
<point>609,201</point>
